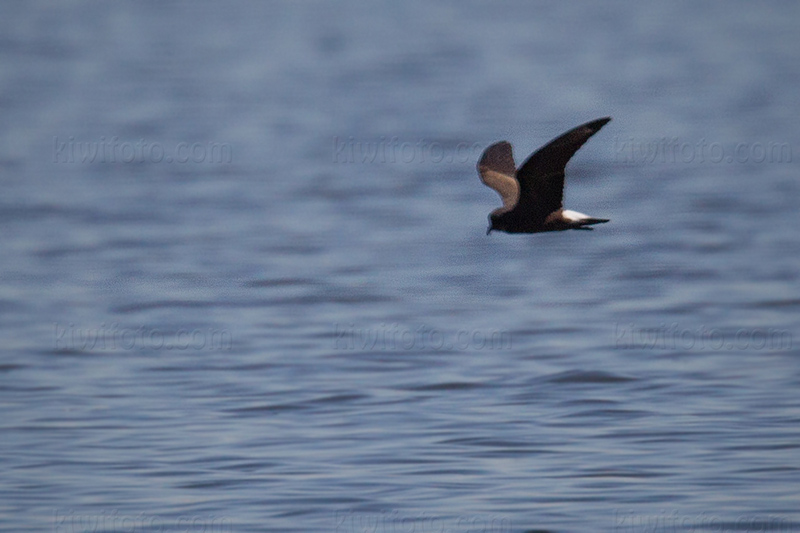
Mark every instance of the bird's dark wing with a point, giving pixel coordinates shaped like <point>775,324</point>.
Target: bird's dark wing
<point>541,177</point>
<point>496,168</point>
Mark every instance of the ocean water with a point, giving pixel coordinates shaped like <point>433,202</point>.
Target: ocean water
<point>245,283</point>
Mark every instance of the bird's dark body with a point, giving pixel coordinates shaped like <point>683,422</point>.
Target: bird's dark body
<point>533,195</point>
<point>518,222</point>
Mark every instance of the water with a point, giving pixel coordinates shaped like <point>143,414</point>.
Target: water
<point>298,323</point>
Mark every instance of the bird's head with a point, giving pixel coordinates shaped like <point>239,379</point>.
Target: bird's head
<point>495,223</point>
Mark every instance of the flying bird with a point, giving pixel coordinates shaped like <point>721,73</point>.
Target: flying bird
<point>533,195</point>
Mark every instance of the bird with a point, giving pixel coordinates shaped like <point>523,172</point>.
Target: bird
<point>533,194</point>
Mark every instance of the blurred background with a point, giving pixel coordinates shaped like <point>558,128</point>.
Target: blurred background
<point>245,283</point>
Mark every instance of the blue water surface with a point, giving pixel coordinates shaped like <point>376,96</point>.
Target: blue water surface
<point>245,283</point>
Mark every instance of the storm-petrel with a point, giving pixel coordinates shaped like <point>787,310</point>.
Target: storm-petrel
<point>533,195</point>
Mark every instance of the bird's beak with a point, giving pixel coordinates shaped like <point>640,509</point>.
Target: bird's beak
<point>488,230</point>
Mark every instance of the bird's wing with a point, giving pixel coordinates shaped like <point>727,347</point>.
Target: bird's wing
<point>541,177</point>
<point>496,168</point>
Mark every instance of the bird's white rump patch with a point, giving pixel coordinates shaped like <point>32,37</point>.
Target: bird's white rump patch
<point>574,216</point>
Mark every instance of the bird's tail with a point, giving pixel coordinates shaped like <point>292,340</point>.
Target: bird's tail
<point>590,221</point>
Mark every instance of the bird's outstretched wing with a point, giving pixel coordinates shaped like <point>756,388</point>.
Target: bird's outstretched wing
<point>541,177</point>
<point>497,169</point>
